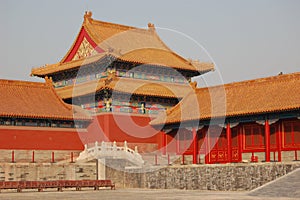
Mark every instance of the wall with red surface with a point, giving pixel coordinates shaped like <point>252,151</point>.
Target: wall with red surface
<point>122,127</point>
<point>105,127</point>
<point>26,138</point>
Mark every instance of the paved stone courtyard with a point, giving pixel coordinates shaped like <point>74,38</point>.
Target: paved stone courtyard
<point>129,194</point>
<point>286,187</point>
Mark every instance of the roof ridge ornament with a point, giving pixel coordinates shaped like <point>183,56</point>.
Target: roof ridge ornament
<point>88,15</point>
<point>151,27</point>
<point>193,85</point>
<point>48,80</point>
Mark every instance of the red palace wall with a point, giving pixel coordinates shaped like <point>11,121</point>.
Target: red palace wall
<point>122,127</point>
<point>39,138</point>
<point>104,127</point>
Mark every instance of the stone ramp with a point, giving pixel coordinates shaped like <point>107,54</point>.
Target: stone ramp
<point>285,186</point>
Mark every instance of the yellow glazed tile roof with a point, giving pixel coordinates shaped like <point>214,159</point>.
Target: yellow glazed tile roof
<point>265,95</point>
<point>23,99</point>
<point>125,43</point>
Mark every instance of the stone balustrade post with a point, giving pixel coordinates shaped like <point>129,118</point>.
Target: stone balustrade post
<point>125,145</point>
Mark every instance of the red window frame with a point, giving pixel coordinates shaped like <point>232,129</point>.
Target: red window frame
<point>291,134</point>
<point>253,137</point>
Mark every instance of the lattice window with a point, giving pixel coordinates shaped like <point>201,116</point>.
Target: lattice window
<point>254,136</point>
<point>201,138</point>
<point>297,133</point>
<point>288,134</point>
<point>273,131</point>
<point>234,136</point>
<point>291,133</point>
<point>185,140</point>
<point>222,141</point>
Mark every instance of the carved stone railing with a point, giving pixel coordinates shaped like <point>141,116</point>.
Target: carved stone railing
<point>109,150</point>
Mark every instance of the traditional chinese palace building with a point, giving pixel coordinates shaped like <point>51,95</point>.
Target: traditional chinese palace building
<point>124,76</point>
<point>121,83</point>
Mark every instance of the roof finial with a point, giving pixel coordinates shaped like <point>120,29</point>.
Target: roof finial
<point>193,85</point>
<point>151,26</point>
<point>48,80</point>
<point>88,15</point>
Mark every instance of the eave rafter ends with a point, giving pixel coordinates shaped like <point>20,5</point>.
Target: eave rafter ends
<point>125,43</point>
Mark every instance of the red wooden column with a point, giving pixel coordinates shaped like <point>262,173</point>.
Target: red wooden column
<point>229,142</point>
<point>279,139</point>
<point>12,156</point>
<point>32,159</point>
<point>207,146</point>
<point>164,143</point>
<point>178,143</point>
<point>195,146</point>
<point>267,140</point>
<point>72,157</point>
<point>240,142</point>
<point>52,157</point>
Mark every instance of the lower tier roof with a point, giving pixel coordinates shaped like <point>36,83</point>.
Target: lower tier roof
<point>21,99</point>
<point>266,95</point>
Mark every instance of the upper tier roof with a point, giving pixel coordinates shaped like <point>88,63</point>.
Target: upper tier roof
<point>21,99</point>
<point>126,85</point>
<point>266,95</point>
<point>123,42</point>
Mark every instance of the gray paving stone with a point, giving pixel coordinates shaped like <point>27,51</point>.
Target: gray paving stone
<point>129,194</point>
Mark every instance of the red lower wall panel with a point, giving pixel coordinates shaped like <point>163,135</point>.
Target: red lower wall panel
<point>120,128</point>
<point>38,139</point>
<point>105,127</point>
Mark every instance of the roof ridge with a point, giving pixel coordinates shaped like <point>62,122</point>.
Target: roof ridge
<point>72,46</point>
<point>112,25</point>
<point>277,78</point>
<point>88,18</point>
<point>21,83</point>
<point>162,42</point>
<point>49,83</point>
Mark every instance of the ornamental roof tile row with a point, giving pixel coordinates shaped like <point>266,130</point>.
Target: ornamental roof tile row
<point>126,85</point>
<point>126,43</point>
<point>22,99</point>
<point>266,95</point>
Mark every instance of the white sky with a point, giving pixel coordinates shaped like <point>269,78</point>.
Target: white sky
<point>246,39</point>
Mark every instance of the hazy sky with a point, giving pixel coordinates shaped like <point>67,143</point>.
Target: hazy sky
<point>246,39</point>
